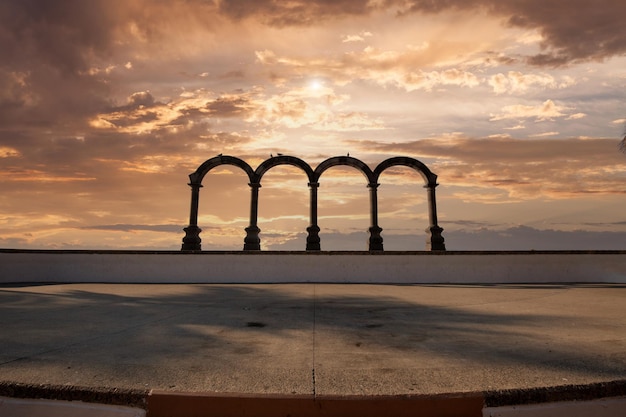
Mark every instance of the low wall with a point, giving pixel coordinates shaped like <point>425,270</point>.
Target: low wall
<point>18,266</point>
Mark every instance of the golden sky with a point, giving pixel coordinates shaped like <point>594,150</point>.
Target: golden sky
<point>517,106</point>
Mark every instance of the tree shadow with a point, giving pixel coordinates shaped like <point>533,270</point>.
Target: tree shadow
<point>165,336</point>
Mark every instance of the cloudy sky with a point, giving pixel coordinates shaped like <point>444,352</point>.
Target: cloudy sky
<point>517,106</point>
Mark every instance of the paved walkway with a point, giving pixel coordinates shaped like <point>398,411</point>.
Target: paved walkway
<point>303,340</point>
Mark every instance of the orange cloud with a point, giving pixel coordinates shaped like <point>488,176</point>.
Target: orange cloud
<point>546,111</point>
<point>524,169</point>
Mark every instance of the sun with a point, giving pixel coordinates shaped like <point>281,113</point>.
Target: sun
<point>316,85</point>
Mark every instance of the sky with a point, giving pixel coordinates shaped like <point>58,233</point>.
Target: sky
<point>106,107</point>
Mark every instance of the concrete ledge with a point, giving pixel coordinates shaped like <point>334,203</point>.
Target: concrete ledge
<point>110,396</point>
<point>20,266</point>
<point>605,399</point>
<point>165,404</point>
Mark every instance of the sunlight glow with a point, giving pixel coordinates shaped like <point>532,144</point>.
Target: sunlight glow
<point>316,85</point>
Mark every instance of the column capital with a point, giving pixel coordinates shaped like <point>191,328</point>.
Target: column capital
<point>194,185</point>
<point>254,184</point>
<point>373,185</point>
<point>314,184</point>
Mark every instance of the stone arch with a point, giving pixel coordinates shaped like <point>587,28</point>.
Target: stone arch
<point>344,160</point>
<point>426,173</point>
<point>284,160</point>
<point>209,164</point>
<point>436,241</point>
<point>375,240</point>
<point>313,233</point>
<point>192,240</point>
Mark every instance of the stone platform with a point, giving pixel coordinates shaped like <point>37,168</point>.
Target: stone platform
<point>313,349</point>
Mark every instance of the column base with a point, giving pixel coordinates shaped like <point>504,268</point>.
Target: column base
<point>376,240</point>
<point>252,240</point>
<point>436,241</point>
<point>313,239</point>
<point>191,241</point>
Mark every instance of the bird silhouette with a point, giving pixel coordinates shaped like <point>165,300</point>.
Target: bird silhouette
<point>279,154</point>
<point>271,155</point>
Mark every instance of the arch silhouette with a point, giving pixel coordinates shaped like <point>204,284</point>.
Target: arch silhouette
<point>418,166</point>
<point>375,240</point>
<point>197,176</point>
<point>313,241</point>
<point>284,160</point>
<point>344,160</point>
<point>436,241</point>
<point>192,241</point>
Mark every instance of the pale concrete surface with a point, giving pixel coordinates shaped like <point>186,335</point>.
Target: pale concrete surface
<point>313,339</point>
<point>17,407</point>
<point>608,407</point>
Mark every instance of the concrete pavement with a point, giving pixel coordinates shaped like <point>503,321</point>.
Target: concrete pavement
<point>507,342</point>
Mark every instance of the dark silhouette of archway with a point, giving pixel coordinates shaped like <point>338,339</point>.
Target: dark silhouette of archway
<point>192,241</point>
<point>436,240</point>
<point>344,160</point>
<point>312,240</point>
<point>375,240</point>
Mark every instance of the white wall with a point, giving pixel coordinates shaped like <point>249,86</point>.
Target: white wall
<point>362,267</point>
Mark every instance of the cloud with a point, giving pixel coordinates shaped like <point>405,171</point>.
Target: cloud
<point>529,238</point>
<point>299,12</point>
<point>58,35</point>
<point>509,170</point>
<point>143,114</point>
<point>571,32</point>
<point>8,152</point>
<point>433,79</point>
<point>230,105</point>
<point>383,67</point>
<point>515,82</point>
<point>548,110</point>
<point>166,228</point>
<point>515,238</point>
<point>356,38</point>
<point>544,134</point>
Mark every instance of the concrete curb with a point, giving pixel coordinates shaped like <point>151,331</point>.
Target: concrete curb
<point>99,395</point>
<point>179,404</point>
<point>165,404</point>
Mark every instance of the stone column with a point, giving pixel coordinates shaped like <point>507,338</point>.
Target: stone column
<point>436,241</point>
<point>375,241</point>
<point>191,241</point>
<point>252,240</point>
<point>313,238</point>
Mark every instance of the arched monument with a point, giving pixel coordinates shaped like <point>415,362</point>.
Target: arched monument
<point>192,240</point>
